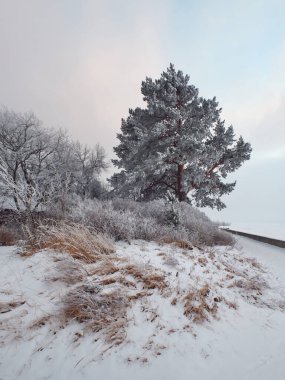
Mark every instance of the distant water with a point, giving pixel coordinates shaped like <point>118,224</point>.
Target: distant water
<point>272,230</point>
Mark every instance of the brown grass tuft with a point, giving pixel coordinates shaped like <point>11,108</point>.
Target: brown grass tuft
<point>5,307</point>
<point>105,268</point>
<point>138,295</point>
<point>134,271</point>
<point>232,304</point>
<point>40,322</point>
<point>250,285</point>
<point>177,242</point>
<point>150,278</point>
<point>197,305</point>
<point>126,282</point>
<point>69,271</point>
<point>154,281</point>
<point>108,281</point>
<point>183,244</point>
<point>79,241</point>
<point>174,301</point>
<point>202,261</point>
<point>105,312</point>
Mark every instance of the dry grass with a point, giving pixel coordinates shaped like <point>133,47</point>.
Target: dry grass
<point>40,322</point>
<point>254,285</point>
<point>183,244</point>
<point>126,282</point>
<point>174,301</point>
<point>69,271</point>
<point>253,262</point>
<point>139,295</point>
<point>197,305</point>
<point>134,270</point>
<point>5,307</point>
<point>231,304</point>
<point>108,281</point>
<point>150,278</point>
<point>105,268</point>
<point>105,312</point>
<point>154,281</point>
<point>180,243</point>
<point>202,261</point>
<point>79,241</point>
<point>102,291</point>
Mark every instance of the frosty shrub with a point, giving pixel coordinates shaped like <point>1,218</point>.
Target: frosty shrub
<point>124,219</point>
<point>200,228</point>
<point>124,223</point>
<point>104,218</point>
<point>171,215</point>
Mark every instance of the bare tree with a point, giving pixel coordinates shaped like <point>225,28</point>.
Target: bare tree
<point>89,163</point>
<point>39,166</point>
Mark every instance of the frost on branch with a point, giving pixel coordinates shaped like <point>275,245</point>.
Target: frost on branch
<point>39,167</point>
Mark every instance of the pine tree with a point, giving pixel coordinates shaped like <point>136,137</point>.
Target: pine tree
<point>178,143</point>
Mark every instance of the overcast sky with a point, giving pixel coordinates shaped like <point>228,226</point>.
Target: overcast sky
<point>78,64</point>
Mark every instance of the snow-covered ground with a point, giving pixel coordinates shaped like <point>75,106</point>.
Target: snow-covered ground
<point>271,230</point>
<point>161,342</point>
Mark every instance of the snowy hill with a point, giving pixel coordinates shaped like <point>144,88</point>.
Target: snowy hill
<point>148,311</point>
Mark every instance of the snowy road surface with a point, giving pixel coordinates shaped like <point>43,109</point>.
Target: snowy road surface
<point>247,343</point>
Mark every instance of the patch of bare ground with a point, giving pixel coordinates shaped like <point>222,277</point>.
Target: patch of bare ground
<point>149,277</point>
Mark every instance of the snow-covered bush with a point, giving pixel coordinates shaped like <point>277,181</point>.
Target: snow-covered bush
<point>41,167</point>
<point>123,219</point>
<point>126,223</point>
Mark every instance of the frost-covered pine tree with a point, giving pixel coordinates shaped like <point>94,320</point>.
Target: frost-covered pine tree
<point>177,143</point>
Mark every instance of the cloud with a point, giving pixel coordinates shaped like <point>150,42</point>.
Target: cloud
<point>257,108</point>
<point>79,65</point>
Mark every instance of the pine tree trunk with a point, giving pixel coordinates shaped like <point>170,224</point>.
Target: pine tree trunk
<point>180,194</point>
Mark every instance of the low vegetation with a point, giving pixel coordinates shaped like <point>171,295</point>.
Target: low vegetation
<point>79,241</point>
<point>101,287</point>
<point>123,219</point>
<point>106,288</point>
